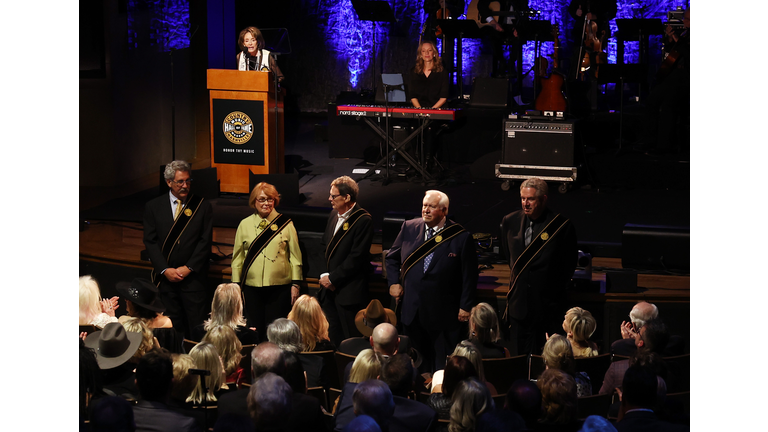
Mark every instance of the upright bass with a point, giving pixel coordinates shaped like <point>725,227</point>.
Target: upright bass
<point>551,96</point>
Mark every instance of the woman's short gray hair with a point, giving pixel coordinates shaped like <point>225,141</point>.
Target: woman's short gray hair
<point>177,165</point>
<point>285,334</point>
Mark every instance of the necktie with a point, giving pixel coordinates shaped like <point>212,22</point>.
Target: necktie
<point>178,209</point>
<point>428,259</point>
<point>529,233</point>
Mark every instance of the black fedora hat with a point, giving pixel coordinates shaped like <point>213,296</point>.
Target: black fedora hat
<point>141,292</point>
<point>113,345</point>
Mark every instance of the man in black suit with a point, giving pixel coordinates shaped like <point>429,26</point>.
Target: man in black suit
<point>347,242</point>
<point>638,401</point>
<point>177,234</point>
<point>410,415</point>
<point>265,358</point>
<point>432,275</point>
<point>542,251</point>
<point>154,375</point>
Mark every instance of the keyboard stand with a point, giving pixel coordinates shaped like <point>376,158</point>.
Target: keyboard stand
<point>399,147</point>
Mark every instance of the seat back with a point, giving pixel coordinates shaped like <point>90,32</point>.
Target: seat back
<point>319,394</point>
<point>595,367</point>
<point>502,372</point>
<point>342,360</point>
<point>88,329</point>
<point>330,375</point>
<point>536,367</point>
<point>679,371</point>
<point>245,362</point>
<point>598,404</point>
<point>170,339</point>
<point>188,345</point>
<point>499,400</point>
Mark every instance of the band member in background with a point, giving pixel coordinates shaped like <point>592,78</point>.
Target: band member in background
<point>427,87</point>
<point>504,33</point>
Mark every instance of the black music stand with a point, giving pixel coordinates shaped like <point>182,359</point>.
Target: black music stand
<point>374,11</point>
<point>620,74</point>
<point>537,31</point>
<point>461,29</point>
<point>393,92</point>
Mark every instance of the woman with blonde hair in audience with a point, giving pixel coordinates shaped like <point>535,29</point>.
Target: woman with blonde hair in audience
<point>558,354</point>
<point>206,357</point>
<point>579,325</point>
<point>472,353</point>
<point>558,402</point>
<point>484,331</point>
<point>228,346</point>
<point>367,365</point>
<point>227,310</point>
<point>470,399</point>
<point>309,316</point>
<point>148,339</point>
<point>94,310</point>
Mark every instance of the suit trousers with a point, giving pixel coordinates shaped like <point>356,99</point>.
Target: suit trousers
<point>433,345</point>
<point>187,303</point>
<point>341,318</point>
<point>262,305</point>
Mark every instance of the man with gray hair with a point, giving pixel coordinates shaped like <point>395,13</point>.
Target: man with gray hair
<point>642,313</point>
<point>178,229</point>
<point>432,277</point>
<point>542,251</point>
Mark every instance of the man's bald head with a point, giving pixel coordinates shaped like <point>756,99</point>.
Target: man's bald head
<point>385,340</point>
<point>267,357</point>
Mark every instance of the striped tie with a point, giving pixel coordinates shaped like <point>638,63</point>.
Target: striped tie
<point>428,259</point>
<point>178,209</point>
<point>529,233</point>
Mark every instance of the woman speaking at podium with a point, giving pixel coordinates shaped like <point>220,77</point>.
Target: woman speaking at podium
<point>253,56</point>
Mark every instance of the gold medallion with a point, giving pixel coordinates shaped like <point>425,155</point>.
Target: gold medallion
<point>188,212</point>
<point>345,226</point>
<point>273,227</point>
<point>544,236</point>
<point>263,224</point>
<point>439,238</point>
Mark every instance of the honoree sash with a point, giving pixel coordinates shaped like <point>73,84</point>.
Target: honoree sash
<point>428,246</point>
<point>179,225</point>
<point>532,251</point>
<point>261,241</point>
<point>347,227</point>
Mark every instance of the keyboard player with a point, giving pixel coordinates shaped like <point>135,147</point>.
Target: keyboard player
<point>427,87</point>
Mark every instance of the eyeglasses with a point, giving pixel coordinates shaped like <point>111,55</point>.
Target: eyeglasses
<point>181,182</point>
<point>333,197</point>
<point>263,200</point>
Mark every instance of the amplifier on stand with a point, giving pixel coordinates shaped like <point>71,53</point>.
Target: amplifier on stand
<point>538,149</point>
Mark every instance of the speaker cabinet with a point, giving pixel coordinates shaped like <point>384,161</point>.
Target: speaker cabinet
<point>537,149</point>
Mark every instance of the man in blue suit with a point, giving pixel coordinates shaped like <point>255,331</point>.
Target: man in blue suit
<point>432,275</point>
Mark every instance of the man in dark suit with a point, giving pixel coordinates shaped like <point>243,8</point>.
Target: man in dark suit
<point>154,375</point>
<point>177,234</point>
<point>410,415</point>
<point>638,402</point>
<point>542,251</point>
<point>347,242</point>
<point>268,357</point>
<point>432,275</point>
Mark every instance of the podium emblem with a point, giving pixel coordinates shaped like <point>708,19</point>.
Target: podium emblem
<point>238,127</point>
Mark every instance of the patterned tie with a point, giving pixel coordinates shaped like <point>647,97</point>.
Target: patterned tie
<point>178,209</point>
<point>428,259</point>
<point>529,233</point>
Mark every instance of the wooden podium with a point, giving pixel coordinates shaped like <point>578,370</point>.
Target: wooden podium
<point>247,125</point>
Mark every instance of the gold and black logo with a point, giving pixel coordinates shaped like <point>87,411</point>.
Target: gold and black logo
<point>238,127</point>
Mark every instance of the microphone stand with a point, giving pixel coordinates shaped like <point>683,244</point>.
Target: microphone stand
<point>386,126</point>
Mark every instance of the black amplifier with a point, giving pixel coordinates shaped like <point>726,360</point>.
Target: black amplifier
<point>541,149</point>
